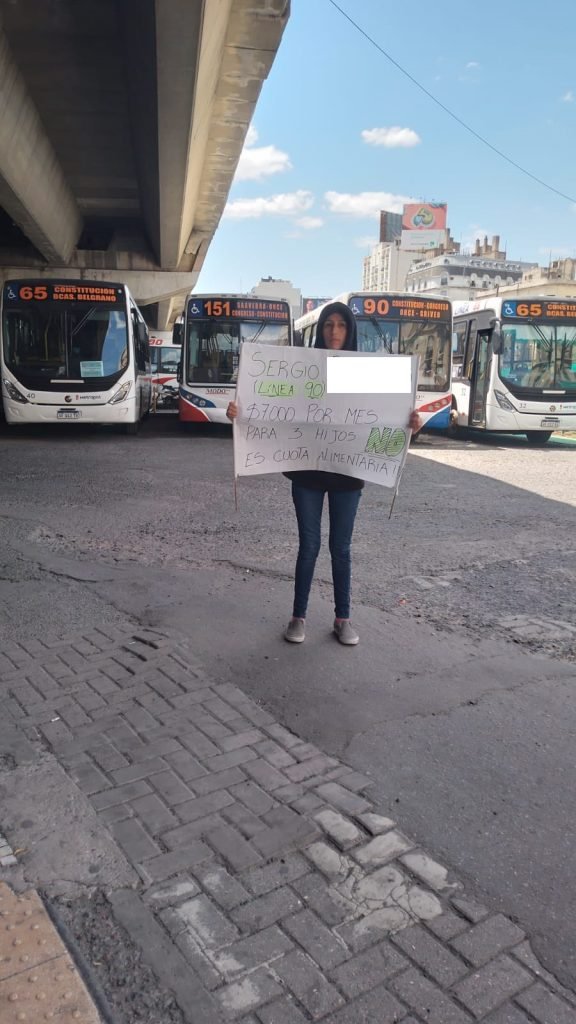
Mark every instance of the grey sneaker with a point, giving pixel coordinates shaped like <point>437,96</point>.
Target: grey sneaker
<point>295,632</point>
<point>345,632</point>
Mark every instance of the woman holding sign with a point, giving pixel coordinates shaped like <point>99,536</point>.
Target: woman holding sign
<point>336,329</point>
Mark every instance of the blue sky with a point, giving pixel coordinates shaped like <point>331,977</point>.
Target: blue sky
<point>304,203</point>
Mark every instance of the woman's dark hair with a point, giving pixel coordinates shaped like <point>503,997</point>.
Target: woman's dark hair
<point>351,344</point>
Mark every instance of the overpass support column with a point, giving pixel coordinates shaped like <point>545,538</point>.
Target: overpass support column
<point>33,189</point>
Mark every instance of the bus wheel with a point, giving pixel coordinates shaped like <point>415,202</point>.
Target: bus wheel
<point>131,429</point>
<point>537,438</point>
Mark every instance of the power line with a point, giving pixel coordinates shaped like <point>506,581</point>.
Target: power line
<point>447,110</point>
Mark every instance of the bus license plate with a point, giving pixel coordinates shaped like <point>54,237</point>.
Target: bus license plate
<point>68,414</point>
<point>550,421</point>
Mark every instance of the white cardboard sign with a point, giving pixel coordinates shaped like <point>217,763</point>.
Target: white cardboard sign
<point>295,413</point>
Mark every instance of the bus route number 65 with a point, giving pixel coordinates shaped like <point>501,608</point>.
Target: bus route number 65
<point>532,309</point>
<point>39,292</point>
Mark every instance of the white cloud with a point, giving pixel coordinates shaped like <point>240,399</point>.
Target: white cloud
<point>568,96</point>
<point>472,65</point>
<point>309,223</point>
<point>258,162</point>
<point>286,204</point>
<point>366,242</point>
<point>366,204</point>
<point>391,138</point>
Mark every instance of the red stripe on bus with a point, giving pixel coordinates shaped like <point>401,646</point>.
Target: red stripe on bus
<point>188,413</point>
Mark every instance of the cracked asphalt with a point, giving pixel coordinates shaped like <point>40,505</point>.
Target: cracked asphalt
<point>459,701</point>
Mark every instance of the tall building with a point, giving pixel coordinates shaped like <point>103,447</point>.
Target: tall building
<point>276,288</point>
<point>386,267</point>
<point>456,275</point>
<point>403,240</point>
<point>390,226</point>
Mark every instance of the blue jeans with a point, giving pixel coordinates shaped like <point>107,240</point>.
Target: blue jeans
<point>342,507</point>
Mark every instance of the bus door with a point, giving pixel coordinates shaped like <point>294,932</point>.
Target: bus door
<point>480,380</point>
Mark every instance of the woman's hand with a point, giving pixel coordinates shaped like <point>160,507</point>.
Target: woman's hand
<point>232,410</point>
<point>415,422</point>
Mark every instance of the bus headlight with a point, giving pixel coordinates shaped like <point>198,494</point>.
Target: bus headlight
<point>202,403</point>
<point>503,401</point>
<point>121,394</point>
<point>14,393</point>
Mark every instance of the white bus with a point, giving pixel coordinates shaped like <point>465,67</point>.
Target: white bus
<point>165,359</point>
<point>211,332</point>
<point>515,365</point>
<point>73,351</point>
<point>404,324</point>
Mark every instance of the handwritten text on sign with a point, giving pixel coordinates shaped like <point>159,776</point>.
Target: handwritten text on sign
<point>294,415</point>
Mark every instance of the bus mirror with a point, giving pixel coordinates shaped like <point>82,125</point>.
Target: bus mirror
<point>177,334</point>
<point>497,338</point>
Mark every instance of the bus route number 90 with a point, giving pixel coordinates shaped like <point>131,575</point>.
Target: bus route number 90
<point>380,306</point>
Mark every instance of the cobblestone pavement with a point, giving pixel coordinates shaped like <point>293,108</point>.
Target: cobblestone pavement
<point>274,888</point>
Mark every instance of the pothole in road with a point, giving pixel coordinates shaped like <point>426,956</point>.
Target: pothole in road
<point>537,628</point>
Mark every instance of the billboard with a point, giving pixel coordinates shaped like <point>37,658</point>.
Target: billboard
<point>424,217</point>
<point>418,240</point>
<point>309,304</point>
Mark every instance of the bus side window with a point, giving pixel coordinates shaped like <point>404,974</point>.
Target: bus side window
<point>140,344</point>
<point>470,351</point>
<point>461,332</point>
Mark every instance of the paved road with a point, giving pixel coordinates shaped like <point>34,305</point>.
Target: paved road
<point>459,700</point>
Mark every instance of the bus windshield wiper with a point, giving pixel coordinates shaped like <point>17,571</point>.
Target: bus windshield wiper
<point>258,332</point>
<point>382,336</point>
<point>82,322</point>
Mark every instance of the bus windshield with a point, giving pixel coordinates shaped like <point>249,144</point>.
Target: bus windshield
<point>213,347</point>
<point>165,358</point>
<point>53,342</point>
<point>539,355</point>
<point>430,341</point>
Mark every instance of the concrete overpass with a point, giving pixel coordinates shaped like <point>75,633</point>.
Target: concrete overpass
<point>121,126</point>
